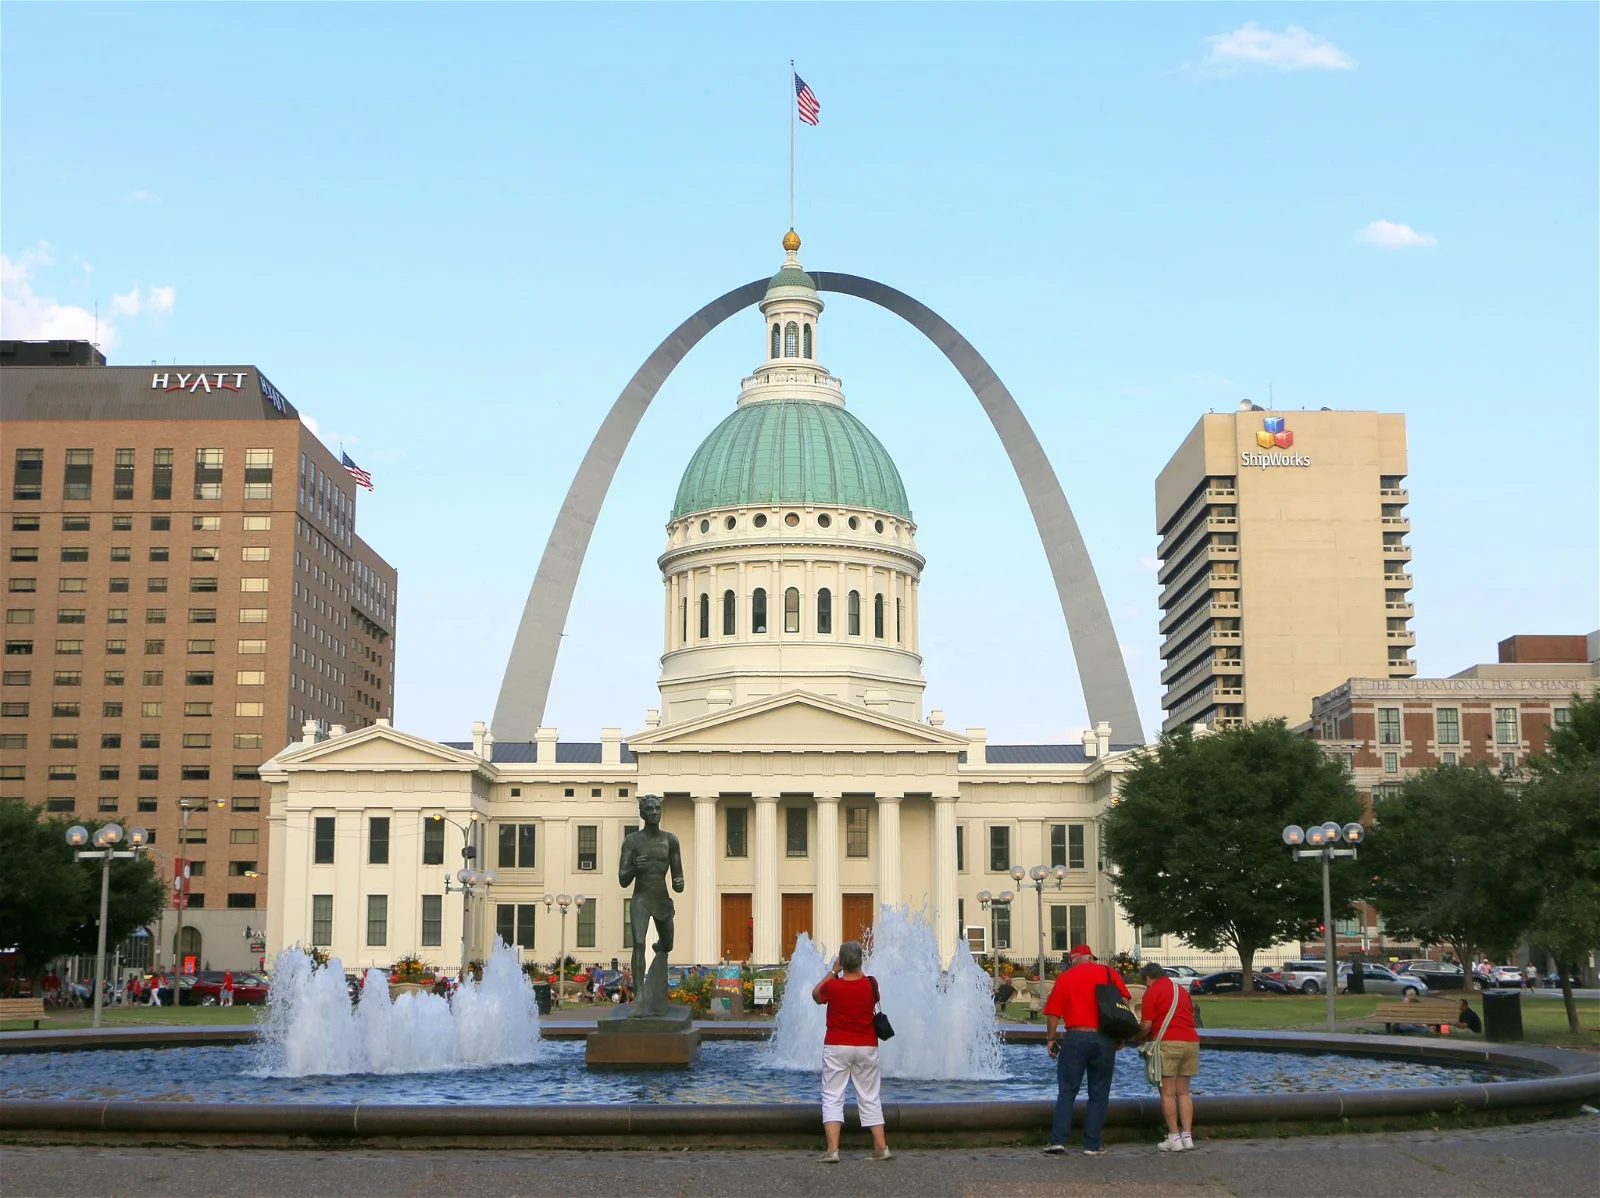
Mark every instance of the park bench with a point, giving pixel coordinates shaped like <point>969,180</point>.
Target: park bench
<point>22,1008</point>
<point>1428,1012</point>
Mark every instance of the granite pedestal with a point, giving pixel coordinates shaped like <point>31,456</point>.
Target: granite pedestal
<point>667,1041</point>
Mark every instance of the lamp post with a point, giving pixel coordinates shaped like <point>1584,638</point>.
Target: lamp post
<point>996,902</point>
<point>1036,879</point>
<point>563,901</point>
<point>1322,840</point>
<point>105,842</point>
<point>180,894</point>
<point>468,889</point>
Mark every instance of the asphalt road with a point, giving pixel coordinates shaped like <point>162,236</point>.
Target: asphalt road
<point>1548,1160</point>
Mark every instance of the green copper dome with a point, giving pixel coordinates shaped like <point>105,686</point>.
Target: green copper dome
<point>792,276</point>
<point>802,451</point>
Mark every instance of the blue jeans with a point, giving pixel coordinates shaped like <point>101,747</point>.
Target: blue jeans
<point>1083,1052</point>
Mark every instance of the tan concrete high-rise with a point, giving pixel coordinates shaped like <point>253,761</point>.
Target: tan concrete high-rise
<point>184,588</point>
<point>1284,563</point>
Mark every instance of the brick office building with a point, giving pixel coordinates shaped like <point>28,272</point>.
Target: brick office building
<point>184,588</point>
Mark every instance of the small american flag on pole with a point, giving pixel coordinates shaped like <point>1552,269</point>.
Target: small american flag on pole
<point>356,472</point>
<point>809,108</point>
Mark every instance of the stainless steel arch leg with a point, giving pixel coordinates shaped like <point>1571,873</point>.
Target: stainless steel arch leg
<point>526,686</point>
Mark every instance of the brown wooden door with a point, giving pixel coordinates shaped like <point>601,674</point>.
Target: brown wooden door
<point>737,940</point>
<point>857,910</point>
<point>796,919</point>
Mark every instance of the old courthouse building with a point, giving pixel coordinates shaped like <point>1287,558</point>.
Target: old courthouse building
<point>184,588</point>
<point>797,765</point>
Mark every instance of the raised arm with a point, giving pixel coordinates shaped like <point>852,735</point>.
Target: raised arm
<point>675,864</point>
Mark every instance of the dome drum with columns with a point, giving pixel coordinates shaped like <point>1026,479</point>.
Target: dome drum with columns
<point>796,763</point>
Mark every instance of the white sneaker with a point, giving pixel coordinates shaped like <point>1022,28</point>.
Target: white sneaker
<point>1188,1142</point>
<point>1171,1144</point>
<point>829,1158</point>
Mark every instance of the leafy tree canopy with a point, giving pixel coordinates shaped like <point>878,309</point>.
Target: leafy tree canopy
<point>1195,837</point>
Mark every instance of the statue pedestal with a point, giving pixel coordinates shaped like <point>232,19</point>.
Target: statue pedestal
<point>667,1041</point>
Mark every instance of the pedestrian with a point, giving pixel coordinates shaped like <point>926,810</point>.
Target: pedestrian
<point>1167,1017</point>
<point>155,990</point>
<point>850,1050</point>
<point>625,985</point>
<point>1467,1019</point>
<point>1530,975</point>
<point>227,988</point>
<point>1083,1049</point>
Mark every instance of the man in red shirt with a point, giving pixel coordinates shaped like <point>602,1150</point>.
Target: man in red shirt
<point>1179,1049</point>
<point>1083,1049</point>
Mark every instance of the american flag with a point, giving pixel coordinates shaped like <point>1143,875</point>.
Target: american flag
<point>356,472</point>
<point>809,108</point>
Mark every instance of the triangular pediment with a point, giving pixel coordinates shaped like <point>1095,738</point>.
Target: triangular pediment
<point>798,721</point>
<point>374,748</point>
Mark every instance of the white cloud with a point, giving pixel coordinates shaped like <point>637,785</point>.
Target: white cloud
<point>162,298</point>
<point>1292,50</point>
<point>1390,236</point>
<point>310,422</point>
<point>126,305</point>
<point>129,303</point>
<point>142,197</point>
<point>26,316</point>
<point>1150,563</point>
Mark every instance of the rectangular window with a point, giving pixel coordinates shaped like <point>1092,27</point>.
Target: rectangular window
<point>258,474</point>
<point>27,479</point>
<point>252,615</point>
<point>156,586</point>
<point>378,840</point>
<point>1561,717</point>
<point>322,920</point>
<point>856,825</point>
<point>21,648</point>
<point>63,740</point>
<point>247,802</point>
<point>76,484</point>
<point>155,615</point>
<point>122,475</point>
<point>1391,763</point>
<point>74,553</point>
<point>1508,762</point>
<point>249,709</point>
<point>208,477</point>
<point>1149,937</point>
<point>150,711</point>
<point>432,920</point>
<point>1506,729</point>
<point>1447,758</point>
<point>250,677</point>
<point>433,842</point>
<point>258,524</point>
<point>256,553</point>
<point>69,677</point>
<point>70,615</point>
<point>737,843</point>
<point>505,921</point>
<point>19,615</point>
<point>1001,926</point>
<point>116,615</point>
<point>199,678</point>
<point>526,834</point>
<point>239,902</point>
<point>73,586</point>
<point>23,586</point>
<point>199,646</point>
<point>1074,846</point>
<point>19,677</point>
<point>161,480</point>
<point>110,773</point>
<point>116,647</point>
<point>1078,923</point>
<point>1447,726</point>
<point>202,615</point>
<point>999,849</point>
<point>588,846</point>
<point>586,923</point>
<point>203,586</point>
<point>253,585</point>
<point>1058,845</point>
<point>795,819</point>
<point>506,834</point>
<point>961,849</point>
<point>1388,725</point>
<point>206,524</point>
<point>14,710</point>
<point>322,840</point>
<point>1060,940</point>
<point>197,709</point>
<point>150,740</point>
<point>377,920</point>
<point>205,553</point>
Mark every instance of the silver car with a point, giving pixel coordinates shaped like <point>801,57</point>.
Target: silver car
<point>1378,979</point>
<point>1308,977</point>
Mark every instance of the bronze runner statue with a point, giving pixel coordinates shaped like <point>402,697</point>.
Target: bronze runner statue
<point>646,857</point>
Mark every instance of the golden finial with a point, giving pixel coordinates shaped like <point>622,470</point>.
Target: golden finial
<point>791,241</point>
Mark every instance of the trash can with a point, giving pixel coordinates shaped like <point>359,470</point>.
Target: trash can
<point>541,995</point>
<point>1502,1015</point>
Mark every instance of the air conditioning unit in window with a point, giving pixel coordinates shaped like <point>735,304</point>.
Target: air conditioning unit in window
<point>978,940</point>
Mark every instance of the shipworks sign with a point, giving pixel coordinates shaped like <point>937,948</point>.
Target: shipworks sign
<point>1275,441</point>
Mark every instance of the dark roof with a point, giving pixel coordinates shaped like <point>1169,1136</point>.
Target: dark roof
<point>526,752</point>
<point>141,393</point>
<point>1040,754</point>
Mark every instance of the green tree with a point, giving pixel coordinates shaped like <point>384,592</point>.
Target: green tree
<point>1195,837</point>
<point>50,903</point>
<point>1562,804</point>
<point>1449,862</point>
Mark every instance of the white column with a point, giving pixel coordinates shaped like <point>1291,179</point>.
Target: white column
<point>944,873</point>
<point>889,850</point>
<point>706,899</point>
<point>829,911</point>
<point>767,932</point>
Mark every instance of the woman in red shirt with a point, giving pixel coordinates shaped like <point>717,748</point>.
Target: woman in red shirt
<point>849,1050</point>
<point>1179,1049</point>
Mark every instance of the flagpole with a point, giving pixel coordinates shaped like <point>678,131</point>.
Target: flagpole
<point>791,142</point>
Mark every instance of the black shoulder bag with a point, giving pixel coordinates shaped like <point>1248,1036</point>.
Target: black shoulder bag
<point>880,1021</point>
<point>1116,1020</point>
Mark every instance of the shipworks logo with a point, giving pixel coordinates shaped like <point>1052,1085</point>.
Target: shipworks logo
<point>1274,438</point>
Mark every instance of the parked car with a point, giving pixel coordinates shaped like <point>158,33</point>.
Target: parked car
<point>249,989</point>
<point>1184,973</point>
<point>1437,974</point>
<point>1231,981</point>
<point>1552,981</point>
<point>1379,979</point>
<point>1303,977</point>
<point>1502,976</point>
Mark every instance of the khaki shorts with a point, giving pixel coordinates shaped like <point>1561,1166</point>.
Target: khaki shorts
<point>1180,1058</point>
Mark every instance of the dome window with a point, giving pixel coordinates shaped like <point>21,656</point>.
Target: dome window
<point>853,612</point>
<point>854,523</point>
<point>877,526</point>
<point>825,612</point>
<point>877,616</point>
<point>775,333</point>
<point>761,520</point>
<point>807,351</point>
<point>791,610</point>
<point>683,611</point>
<point>792,520</point>
<point>729,523</point>
<point>899,639</point>
<point>705,616</point>
<point>824,520</point>
<point>705,526</point>
<point>729,603</point>
<point>791,340</point>
<point>758,609</point>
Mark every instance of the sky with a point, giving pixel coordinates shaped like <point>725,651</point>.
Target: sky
<point>449,234</point>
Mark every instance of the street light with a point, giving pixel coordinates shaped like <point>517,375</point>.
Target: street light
<point>998,902</point>
<point>469,853</point>
<point>563,901</point>
<point>105,842</point>
<point>1322,840</point>
<point>1036,879</point>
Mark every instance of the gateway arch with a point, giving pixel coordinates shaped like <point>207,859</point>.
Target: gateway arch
<point>526,686</point>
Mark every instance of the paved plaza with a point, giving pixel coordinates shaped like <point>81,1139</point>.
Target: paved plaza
<point>1550,1160</point>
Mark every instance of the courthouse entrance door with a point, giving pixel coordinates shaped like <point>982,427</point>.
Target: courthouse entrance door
<point>737,937</point>
<point>796,919</point>
<point>857,910</point>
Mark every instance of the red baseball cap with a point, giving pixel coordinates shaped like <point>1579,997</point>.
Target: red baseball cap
<point>1082,950</point>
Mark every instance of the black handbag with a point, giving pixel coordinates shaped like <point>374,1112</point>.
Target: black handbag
<point>880,1021</point>
<point>1116,1020</point>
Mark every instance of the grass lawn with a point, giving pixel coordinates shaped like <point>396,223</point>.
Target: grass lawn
<point>140,1016</point>
<point>1544,1021</point>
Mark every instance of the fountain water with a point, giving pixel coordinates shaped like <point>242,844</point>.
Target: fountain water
<point>311,1027</point>
<point>944,1020</point>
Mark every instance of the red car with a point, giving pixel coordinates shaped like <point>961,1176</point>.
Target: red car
<point>249,989</point>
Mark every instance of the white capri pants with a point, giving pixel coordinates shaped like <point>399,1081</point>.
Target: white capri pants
<point>857,1063</point>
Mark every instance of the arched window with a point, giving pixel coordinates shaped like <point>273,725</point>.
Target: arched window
<point>897,609</point>
<point>791,610</point>
<point>758,611</point>
<point>877,616</point>
<point>728,605</point>
<point>791,340</point>
<point>774,340</point>
<point>705,615</point>
<point>808,341</point>
<point>825,611</point>
<point>852,609</point>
